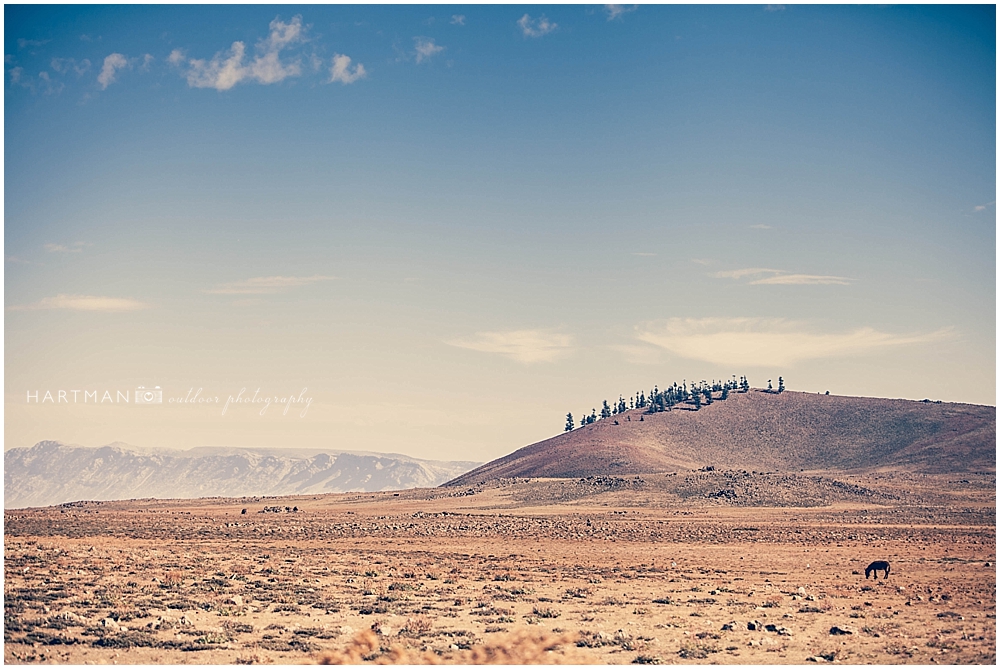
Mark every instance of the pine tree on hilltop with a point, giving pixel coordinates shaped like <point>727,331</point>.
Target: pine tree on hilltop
<point>781,385</point>
<point>725,392</point>
<point>605,410</point>
<point>697,401</point>
<point>569,422</point>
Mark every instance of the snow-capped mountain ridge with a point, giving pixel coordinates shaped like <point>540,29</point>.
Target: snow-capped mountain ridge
<point>53,473</point>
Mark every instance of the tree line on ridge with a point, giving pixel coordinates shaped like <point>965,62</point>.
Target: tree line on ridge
<point>657,400</point>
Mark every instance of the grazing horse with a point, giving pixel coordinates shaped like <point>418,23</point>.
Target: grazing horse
<point>875,567</point>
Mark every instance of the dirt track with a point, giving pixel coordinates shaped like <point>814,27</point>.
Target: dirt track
<point>580,571</point>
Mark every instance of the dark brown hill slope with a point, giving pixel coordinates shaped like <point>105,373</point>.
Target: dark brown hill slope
<point>763,431</point>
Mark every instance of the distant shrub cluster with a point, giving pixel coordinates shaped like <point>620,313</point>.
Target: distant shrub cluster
<point>657,400</point>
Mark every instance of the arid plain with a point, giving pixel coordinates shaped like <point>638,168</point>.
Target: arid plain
<point>716,566</point>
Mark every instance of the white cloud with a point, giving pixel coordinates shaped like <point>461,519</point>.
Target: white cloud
<point>83,303</point>
<point>282,34</point>
<point>340,70</point>
<point>615,11</point>
<point>803,280</point>
<point>521,345</point>
<point>75,247</point>
<point>266,285</point>
<point>147,59</point>
<point>740,273</point>
<point>640,354</point>
<point>226,69</point>
<point>984,207</point>
<point>458,19</point>
<point>63,65</point>
<point>31,43</point>
<point>768,342</point>
<point>112,64</point>
<point>268,69</point>
<point>221,73</point>
<point>781,277</point>
<point>761,226</point>
<point>426,48</point>
<point>642,253</point>
<point>536,27</point>
<point>48,86</point>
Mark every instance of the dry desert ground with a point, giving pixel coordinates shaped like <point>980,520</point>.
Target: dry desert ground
<point>723,567</point>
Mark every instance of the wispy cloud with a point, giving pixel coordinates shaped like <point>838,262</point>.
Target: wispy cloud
<point>761,226</point>
<point>984,207</point>
<point>522,345</point>
<point>536,27</point>
<point>458,19</point>
<point>803,280</point>
<point>642,253</point>
<point>17,261</point>
<point>226,69</point>
<point>47,85</point>
<point>83,303</point>
<point>75,247</point>
<point>616,11</point>
<point>64,65</point>
<point>640,354</point>
<point>340,70</point>
<point>740,273</point>
<point>769,342</point>
<point>765,276</point>
<point>266,285</point>
<point>31,43</point>
<point>112,64</point>
<point>426,48</point>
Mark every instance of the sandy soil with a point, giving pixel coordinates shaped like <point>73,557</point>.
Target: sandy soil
<point>519,571</point>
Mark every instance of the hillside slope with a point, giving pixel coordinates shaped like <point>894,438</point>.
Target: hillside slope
<point>763,431</point>
<point>52,473</point>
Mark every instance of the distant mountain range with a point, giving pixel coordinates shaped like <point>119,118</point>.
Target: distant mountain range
<point>53,473</point>
<point>764,431</point>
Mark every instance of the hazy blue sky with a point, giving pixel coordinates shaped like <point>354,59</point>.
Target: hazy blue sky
<point>453,224</point>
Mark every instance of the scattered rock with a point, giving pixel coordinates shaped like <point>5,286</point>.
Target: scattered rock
<point>841,629</point>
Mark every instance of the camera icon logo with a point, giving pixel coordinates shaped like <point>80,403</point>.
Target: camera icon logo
<point>144,395</point>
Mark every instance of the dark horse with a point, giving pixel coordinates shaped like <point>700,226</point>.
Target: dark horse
<point>875,567</point>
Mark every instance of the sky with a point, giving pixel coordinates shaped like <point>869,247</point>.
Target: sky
<point>435,230</point>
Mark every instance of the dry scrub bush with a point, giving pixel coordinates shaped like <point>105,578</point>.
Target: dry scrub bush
<point>173,578</point>
<point>417,626</point>
<point>522,647</point>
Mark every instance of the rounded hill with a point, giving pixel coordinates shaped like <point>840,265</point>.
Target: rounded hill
<point>758,430</point>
